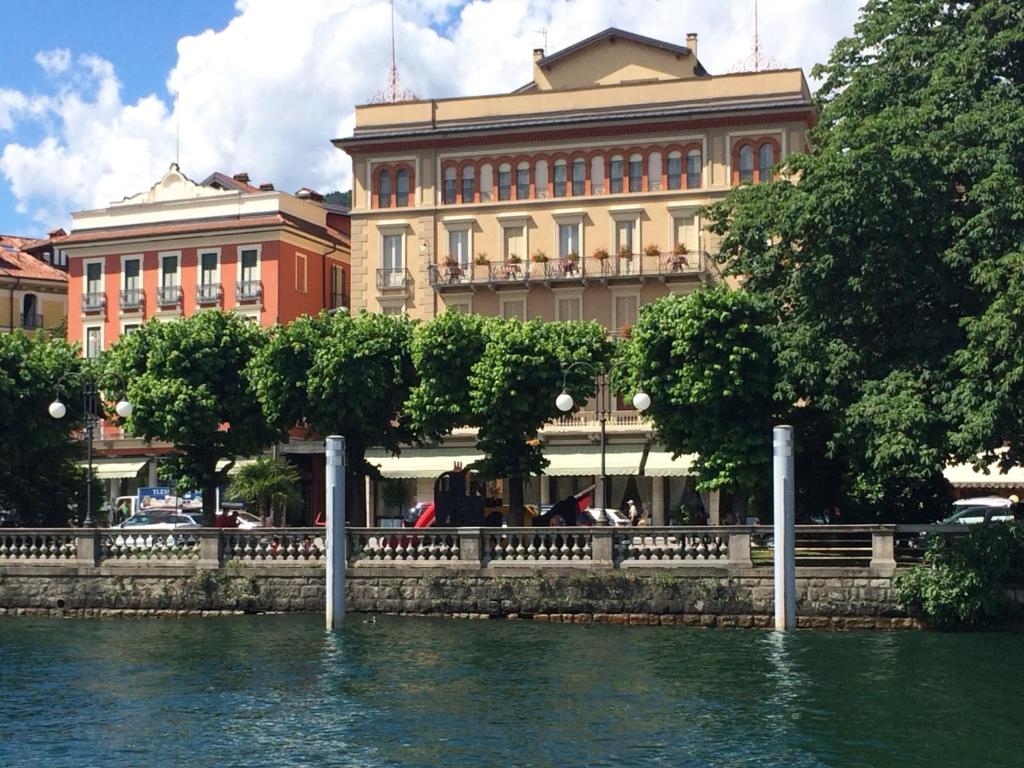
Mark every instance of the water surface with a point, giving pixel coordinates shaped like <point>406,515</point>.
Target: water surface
<point>278,690</point>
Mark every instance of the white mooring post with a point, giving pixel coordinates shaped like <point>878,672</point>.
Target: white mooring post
<point>336,550</point>
<point>785,503</point>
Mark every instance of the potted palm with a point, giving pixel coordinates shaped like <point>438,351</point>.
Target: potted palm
<point>271,484</point>
<point>652,250</point>
<point>601,254</point>
<point>481,259</point>
<point>540,257</point>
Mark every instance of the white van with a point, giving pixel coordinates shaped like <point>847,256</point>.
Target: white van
<point>981,509</point>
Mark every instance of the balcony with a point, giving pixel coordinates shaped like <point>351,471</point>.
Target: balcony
<point>639,267</point>
<point>208,293</point>
<point>132,299</point>
<point>168,296</point>
<point>94,301</point>
<point>248,290</point>
<point>393,279</point>
<point>30,321</point>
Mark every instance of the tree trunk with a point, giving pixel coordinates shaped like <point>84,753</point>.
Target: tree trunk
<point>210,500</point>
<point>515,500</point>
<point>355,485</point>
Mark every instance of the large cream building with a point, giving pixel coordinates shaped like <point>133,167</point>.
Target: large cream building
<point>577,196</point>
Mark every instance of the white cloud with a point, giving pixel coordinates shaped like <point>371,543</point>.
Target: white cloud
<point>267,93</point>
<point>54,61</point>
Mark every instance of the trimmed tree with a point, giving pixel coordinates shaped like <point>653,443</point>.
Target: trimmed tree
<point>40,479</point>
<point>343,375</point>
<point>502,377</point>
<point>186,381</point>
<point>707,363</point>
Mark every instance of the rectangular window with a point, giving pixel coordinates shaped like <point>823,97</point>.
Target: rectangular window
<point>94,277</point>
<point>208,268</point>
<point>560,179</point>
<point>693,169</point>
<point>685,232</point>
<point>468,188</point>
<point>636,175</point>
<point>458,246</point>
<point>514,308</point>
<point>579,177</point>
<point>129,329</point>
<point>391,309</point>
<point>625,311</point>
<point>513,243</point>
<point>393,256</point>
<point>249,264</point>
<point>569,308</point>
<point>169,271</point>
<point>522,183</point>
<point>93,342</point>
<point>625,232</point>
<point>615,175</point>
<point>338,298</point>
<point>449,191</point>
<point>301,273</point>
<point>568,240</point>
<point>132,281</point>
<point>505,185</point>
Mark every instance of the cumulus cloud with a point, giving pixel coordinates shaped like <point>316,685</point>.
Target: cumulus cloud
<point>266,93</point>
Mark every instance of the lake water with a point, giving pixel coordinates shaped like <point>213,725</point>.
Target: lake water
<point>279,691</point>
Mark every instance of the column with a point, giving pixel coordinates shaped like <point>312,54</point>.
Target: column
<point>658,501</point>
<point>152,480</point>
<point>545,489</point>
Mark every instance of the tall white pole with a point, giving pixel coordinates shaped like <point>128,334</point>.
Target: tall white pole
<point>784,487</point>
<point>336,560</point>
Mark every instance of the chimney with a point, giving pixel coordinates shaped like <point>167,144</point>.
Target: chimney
<point>266,187</point>
<point>242,177</point>
<point>59,232</point>
<point>691,43</point>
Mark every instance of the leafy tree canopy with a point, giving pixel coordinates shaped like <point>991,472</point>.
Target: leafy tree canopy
<point>891,254</point>
<point>707,363</point>
<point>39,478</point>
<point>187,384</point>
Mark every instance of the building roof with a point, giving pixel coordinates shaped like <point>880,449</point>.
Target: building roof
<point>239,181</point>
<point>17,262</point>
<point>200,226</point>
<point>613,32</point>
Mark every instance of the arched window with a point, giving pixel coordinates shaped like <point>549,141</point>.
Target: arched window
<point>597,175</point>
<point>450,184</point>
<point>746,164</point>
<point>579,176</point>
<point>561,172</point>
<point>540,178</point>
<point>505,181</point>
<point>636,173</point>
<point>30,317</point>
<point>675,170</point>
<point>486,182</point>
<point>615,173</point>
<point>694,164</point>
<point>402,187</point>
<point>468,184</point>
<point>765,161</point>
<point>523,181</point>
<point>384,189</point>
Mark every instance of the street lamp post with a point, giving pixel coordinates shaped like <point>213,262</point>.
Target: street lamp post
<point>565,403</point>
<point>57,410</point>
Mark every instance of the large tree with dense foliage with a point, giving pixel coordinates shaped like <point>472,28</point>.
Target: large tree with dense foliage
<point>187,382</point>
<point>343,375</point>
<point>39,476</point>
<point>502,377</point>
<point>706,360</point>
<point>891,254</point>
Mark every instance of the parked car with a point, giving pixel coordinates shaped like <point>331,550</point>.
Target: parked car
<point>157,520</point>
<point>607,516</point>
<point>981,509</point>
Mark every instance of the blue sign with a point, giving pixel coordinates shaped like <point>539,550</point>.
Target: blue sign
<point>149,497</point>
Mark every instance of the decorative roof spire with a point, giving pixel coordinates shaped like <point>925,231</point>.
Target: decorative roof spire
<point>394,92</point>
<point>756,61</point>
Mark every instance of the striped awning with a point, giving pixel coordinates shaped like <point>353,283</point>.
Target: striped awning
<point>965,476</point>
<point>114,469</point>
<point>421,462</point>
<point>661,464</point>
<point>585,460</point>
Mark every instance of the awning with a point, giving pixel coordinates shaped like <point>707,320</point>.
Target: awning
<point>114,469</point>
<point>239,463</point>
<point>965,476</point>
<point>421,462</point>
<point>577,460</point>
<point>661,464</point>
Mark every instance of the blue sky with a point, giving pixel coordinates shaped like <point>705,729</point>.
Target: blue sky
<point>94,92</point>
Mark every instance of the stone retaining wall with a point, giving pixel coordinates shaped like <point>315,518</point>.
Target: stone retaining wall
<point>707,596</point>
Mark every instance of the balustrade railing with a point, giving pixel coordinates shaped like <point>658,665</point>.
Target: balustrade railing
<point>878,546</point>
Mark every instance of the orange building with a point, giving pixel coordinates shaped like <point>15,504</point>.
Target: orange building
<point>183,246</point>
<point>33,287</point>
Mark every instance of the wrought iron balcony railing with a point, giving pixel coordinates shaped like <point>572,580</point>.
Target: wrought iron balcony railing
<point>168,295</point>
<point>208,293</point>
<point>31,321</point>
<point>393,278</point>
<point>132,298</point>
<point>248,290</point>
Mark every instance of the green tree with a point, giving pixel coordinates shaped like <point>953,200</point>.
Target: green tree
<point>186,381</point>
<point>502,377</point>
<point>39,475</point>
<point>707,363</point>
<point>269,483</point>
<point>896,257</point>
<point>344,375</point>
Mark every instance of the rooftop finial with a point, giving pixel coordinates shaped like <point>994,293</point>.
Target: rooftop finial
<point>394,93</point>
<point>756,61</point>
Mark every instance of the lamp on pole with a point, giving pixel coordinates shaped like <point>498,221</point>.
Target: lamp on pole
<point>57,410</point>
<point>565,403</point>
